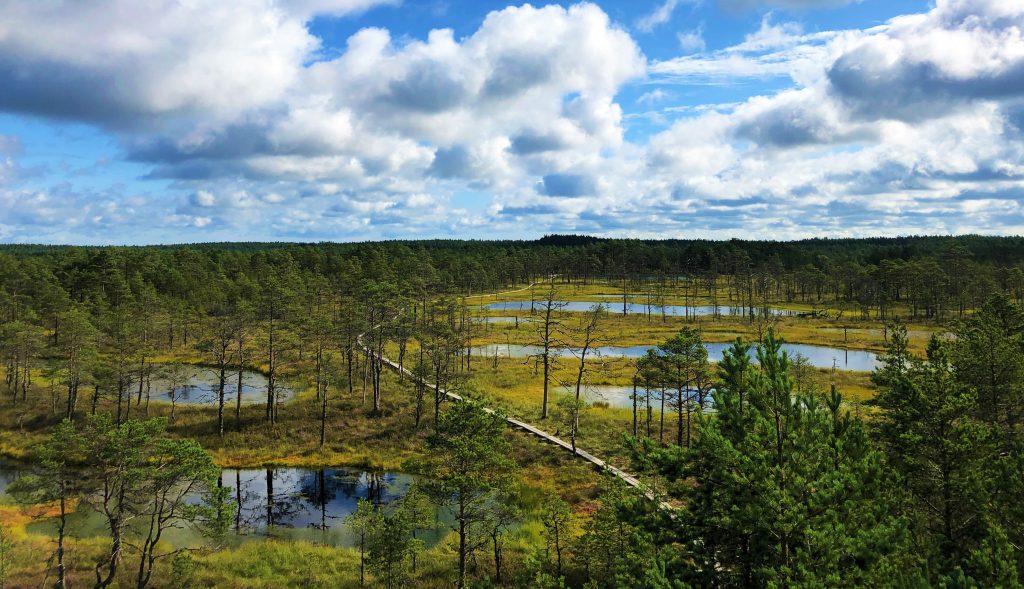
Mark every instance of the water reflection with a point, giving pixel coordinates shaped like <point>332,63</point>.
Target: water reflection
<point>621,396</point>
<point>192,385</point>
<point>288,503</point>
<point>817,356</point>
<point>307,504</point>
<point>644,309</point>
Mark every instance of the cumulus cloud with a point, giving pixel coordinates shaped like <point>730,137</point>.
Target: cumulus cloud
<point>924,66</point>
<point>886,130</point>
<point>523,63</point>
<point>203,198</point>
<point>531,83</point>
<point>911,126</point>
<point>156,58</point>
<point>210,99</point>
<point>486,163</point>
<point>159,58</point>
<point>61,213</point>
<point>794,118</point>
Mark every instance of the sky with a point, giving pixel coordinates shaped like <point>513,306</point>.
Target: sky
<point>169,121</point>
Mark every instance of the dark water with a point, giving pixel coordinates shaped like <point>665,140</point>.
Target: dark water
<point>641,308</point>
<point>197,385</point>
<point>817,356</point>
<point>306,504</point>
<point>288,503</point>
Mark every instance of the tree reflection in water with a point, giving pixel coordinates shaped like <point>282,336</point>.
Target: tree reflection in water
<point>300,498</point>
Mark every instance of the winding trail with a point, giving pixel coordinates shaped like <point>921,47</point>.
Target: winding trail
<point>629,479</point>
<point>536,431</point>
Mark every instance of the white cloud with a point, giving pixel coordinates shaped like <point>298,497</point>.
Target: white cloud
<point>128,61</point>
<point>692,41</point>
<point>661,14</point>
<point>834,150</point>
<point>914,125</point>
<point>772,36</point>
<point>923,66</point>
<point>653,96</point>
<point>774,50</point>
<point>529,93</point>
<point>307,9</point>
<point>203,198</point>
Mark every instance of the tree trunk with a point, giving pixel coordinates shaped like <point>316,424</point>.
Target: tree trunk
<point>220,398</point>
<point>323,417</point>
<point>270,371</point>
<point>634,407</point>
<point>679,416</point>
<point>61,525</point>
<point>238,389</point>
<point>270,500</point>
<point>547,369</point>
<point>317,361</point>
<point>142,372</point>
<point>497,558</point>
<point>463,536</point>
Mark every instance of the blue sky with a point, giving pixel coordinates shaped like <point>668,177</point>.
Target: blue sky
<point>307,120</point>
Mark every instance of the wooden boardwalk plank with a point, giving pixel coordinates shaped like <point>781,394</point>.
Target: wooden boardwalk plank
<point>531,429</point>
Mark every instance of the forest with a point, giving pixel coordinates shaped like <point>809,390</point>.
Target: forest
<point>567,412</point>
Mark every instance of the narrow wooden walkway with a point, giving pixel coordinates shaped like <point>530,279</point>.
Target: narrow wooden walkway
<point>529,428</point>
<point>536,431</point>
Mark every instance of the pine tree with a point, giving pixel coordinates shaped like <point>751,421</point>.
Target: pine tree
<point>964,484</point>
<point>470,468</point>
<point>786,489</point>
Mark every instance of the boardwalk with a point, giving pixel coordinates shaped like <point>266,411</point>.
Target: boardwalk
<point>536,431</point>
<point>529,428</point>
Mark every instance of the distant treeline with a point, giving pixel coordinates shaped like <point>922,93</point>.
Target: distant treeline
<point>933,277</point>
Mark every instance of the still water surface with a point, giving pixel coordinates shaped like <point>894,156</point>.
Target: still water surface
<point>197,385</point>
<point>640,308</point>
<point>817,356</point>
<point>287,503</point>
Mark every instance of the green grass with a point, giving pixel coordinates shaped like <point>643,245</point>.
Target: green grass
<point>637,330</point>
<point>390,441</point>
<point>355,438</point>
<point>840,324</point>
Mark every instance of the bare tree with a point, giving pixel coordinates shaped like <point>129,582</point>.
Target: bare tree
<point>548,330</point>
<point>588,331</point>
<point>176,376</point>
<point>242,320</point>
<point>217,346</point>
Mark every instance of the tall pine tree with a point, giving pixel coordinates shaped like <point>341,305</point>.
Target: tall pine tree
<point>783,489</point>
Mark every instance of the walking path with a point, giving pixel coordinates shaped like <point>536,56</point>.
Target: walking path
<point>532,429</point>
<point>529,428</point>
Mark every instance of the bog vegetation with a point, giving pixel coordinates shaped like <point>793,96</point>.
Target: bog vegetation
<point>757,467</point>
